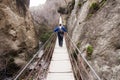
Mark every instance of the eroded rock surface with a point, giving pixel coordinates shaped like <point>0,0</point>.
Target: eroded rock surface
<point>102,31</point>
<point>17,34</point>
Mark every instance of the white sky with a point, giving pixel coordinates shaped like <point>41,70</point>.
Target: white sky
<point>36,2</point>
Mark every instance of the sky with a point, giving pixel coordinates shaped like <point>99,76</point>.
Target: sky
<point>36,2</point>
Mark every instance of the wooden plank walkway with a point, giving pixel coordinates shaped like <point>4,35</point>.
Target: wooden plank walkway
<point>60,67</point>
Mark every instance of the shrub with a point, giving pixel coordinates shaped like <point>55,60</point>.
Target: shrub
<point>79,4</point>
<point>78,44</point>
<point>89,15</point>
<point>45,37</point>
<point>89,51</point>
<point>95,6</point>
<point>44,33</point>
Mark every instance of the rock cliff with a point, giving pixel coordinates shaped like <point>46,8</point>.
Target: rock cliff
<point>46,17</point>
<point>97,23</point>
<point>48,12</point>
<point>17,35</point>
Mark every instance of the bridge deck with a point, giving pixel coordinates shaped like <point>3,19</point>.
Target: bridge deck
<point>60,67</point>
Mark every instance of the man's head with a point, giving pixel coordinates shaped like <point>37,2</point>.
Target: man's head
<point>60,24</point>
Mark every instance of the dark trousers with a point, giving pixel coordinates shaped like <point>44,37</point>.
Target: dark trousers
<point>60,38</point>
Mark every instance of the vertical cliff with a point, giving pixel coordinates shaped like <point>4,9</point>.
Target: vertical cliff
<point>46,17</point>
<point>95,27</point>
<point>17,35</point>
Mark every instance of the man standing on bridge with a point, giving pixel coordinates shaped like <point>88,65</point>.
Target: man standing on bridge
<point>60,31</point>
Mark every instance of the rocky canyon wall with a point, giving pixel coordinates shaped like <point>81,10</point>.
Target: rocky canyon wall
<point>96,23</point>
<point>17,34</point>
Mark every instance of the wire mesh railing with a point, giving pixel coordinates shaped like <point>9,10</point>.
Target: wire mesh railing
<point>81,67</point>
<point>37,67</point>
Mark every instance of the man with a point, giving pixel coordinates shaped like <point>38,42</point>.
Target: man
<point>60,32</point>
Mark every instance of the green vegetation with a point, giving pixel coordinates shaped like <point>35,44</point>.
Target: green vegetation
<point>79,4</point>
<point>44,37</point>
<point>78,44</point>
<point>48,45</point>
<point>44,33</point>
<point>89,51</point>
<point>94,7</point>
<point>89,15</point>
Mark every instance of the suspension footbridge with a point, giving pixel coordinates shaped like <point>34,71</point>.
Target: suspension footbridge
<point>53,62</point>
<point>60,66</point>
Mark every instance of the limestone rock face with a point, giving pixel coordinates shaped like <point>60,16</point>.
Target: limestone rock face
<point>17,34</point>
<point>46,16</point>
<point>48,13</point>
<point>102,31</point>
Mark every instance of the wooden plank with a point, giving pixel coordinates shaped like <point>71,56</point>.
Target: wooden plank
<point>60,66</point>
<point>60,76</point>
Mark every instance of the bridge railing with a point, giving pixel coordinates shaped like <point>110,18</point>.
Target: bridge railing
<point>81,67</point>
<point>37,67</point>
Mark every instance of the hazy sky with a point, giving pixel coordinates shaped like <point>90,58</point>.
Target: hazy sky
<point>36,2</point>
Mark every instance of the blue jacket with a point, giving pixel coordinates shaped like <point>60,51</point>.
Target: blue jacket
<point>57,29</point>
